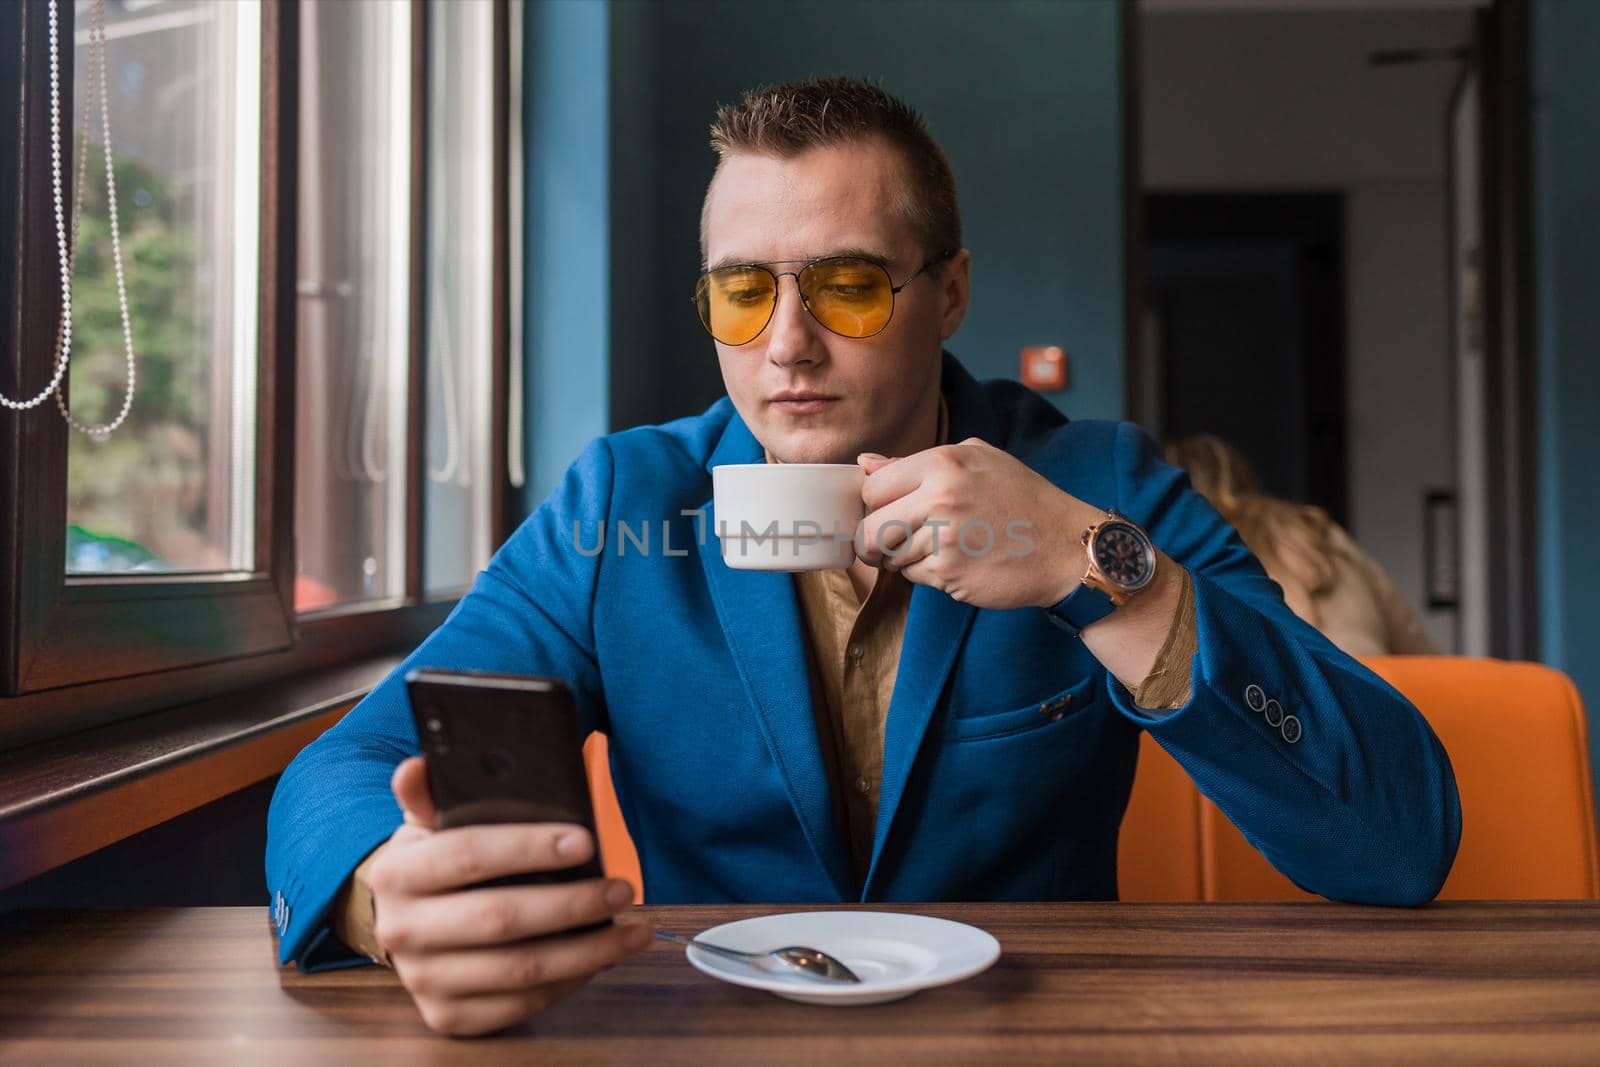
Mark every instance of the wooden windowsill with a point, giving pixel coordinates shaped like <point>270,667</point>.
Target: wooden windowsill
<point>64,798</point>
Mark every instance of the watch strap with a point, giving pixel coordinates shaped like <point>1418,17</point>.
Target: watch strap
<point>1082,607</point>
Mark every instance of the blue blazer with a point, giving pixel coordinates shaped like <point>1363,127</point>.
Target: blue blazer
<point>697,674</point>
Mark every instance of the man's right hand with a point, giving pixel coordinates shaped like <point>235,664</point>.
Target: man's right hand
<point>478,960</point>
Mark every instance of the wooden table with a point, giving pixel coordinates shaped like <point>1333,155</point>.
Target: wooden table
<point>1082,983</point>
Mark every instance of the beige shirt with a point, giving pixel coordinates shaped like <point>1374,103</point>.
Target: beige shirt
<point>853,652</point>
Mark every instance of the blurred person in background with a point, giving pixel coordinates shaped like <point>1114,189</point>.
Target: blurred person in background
<point>1327,579</point>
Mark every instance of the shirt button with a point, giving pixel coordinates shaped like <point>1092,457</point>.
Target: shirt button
<point>856,652</point>
<point>1291,729</point>
<point>1274,713</point>
<point>863,786</point>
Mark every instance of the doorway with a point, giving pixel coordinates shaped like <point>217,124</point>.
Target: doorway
<point>1245,332</point>
<point>1299,151</point>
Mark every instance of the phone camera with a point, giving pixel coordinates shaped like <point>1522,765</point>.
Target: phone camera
<point>437,739</point>
<point>498,764</point>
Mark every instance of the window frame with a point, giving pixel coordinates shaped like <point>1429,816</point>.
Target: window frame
<point>66,662</point>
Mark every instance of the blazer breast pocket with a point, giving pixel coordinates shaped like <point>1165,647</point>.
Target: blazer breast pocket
<point>985,726</point>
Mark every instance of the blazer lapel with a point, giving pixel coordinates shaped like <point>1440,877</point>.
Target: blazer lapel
<point>760,618</point>
<point>936,627</point>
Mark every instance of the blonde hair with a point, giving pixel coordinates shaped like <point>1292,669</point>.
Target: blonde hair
<point>1293,541</point>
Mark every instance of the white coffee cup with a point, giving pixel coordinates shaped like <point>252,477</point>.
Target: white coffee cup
<point>787,516</point>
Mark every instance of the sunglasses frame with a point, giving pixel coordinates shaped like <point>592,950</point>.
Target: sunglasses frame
<point>805,265</point>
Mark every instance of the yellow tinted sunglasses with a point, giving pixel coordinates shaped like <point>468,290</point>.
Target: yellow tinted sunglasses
<point>848,295</point>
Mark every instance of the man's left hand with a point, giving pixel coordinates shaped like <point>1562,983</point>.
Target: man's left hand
<point>975,522</point>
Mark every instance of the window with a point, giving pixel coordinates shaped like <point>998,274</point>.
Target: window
<point>172,488</point>
<point>461,328</point>
<point>354,292</point>
<point>314,201</point>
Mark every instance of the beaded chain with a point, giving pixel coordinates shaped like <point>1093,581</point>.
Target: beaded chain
<point>96,80</point>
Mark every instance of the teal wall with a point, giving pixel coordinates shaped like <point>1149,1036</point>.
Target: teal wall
<point>566,313</point>
<point>1022,95</point>
<point>1566,137</point>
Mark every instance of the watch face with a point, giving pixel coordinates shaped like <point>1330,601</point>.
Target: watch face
<point>1123,555</point>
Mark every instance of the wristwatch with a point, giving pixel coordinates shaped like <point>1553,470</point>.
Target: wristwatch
<point>1120,561</point>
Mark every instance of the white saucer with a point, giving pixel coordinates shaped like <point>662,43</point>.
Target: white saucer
<point>893,954</point>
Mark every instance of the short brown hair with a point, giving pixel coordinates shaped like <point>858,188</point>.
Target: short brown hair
<point>785,120</point>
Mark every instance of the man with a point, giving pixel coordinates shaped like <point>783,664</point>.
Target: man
<point>955,716</point>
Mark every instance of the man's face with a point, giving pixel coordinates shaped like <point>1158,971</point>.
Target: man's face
<point>881,391</point>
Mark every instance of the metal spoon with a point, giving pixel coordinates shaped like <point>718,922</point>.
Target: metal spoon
<point>810,962</point>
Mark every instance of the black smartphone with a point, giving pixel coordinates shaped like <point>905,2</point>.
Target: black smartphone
<point>503,748</point>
